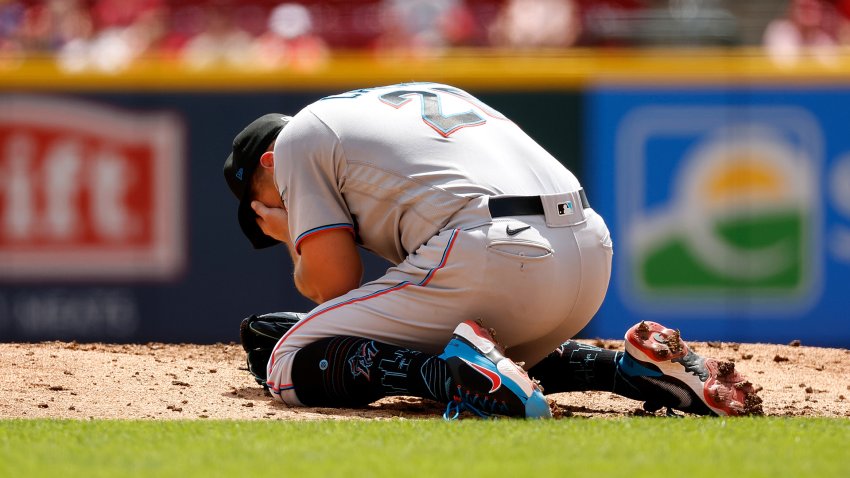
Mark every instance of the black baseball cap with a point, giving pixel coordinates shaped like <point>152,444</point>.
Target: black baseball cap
<point>248,146</point>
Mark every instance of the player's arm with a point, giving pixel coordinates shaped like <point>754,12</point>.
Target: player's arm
<point>309,170</point>
<point>326,264</point>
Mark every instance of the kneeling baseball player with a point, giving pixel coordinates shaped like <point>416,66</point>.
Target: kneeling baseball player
<point>498,257</point>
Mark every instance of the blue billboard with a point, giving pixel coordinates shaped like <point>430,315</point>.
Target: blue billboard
<point>729,209</point>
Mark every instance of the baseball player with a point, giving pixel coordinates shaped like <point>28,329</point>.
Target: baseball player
<point>488,233</point>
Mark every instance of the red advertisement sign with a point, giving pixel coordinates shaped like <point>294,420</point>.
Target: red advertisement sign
<point>89,192</point>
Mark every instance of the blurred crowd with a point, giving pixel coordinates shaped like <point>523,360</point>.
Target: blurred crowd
<point>110,34</point>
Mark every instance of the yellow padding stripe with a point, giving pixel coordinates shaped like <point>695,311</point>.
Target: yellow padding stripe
<point>480,69</point>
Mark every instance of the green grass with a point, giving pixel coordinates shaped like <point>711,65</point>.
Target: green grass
<point>627,448</point>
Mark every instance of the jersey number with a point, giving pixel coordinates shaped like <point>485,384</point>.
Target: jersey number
<point>432,111</point>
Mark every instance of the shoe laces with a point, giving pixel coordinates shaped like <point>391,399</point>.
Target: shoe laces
<point>482,406</point>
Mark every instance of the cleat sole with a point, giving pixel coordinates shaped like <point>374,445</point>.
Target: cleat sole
<point>723,390</point>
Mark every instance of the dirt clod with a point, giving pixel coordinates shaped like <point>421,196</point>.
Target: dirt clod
<point>725,369</point>
<point>674,342</point>
<point>794,343</point>
<point>780,358</point>
<point>558,411</point>
<point>753,405</point>
<point>642,331</point>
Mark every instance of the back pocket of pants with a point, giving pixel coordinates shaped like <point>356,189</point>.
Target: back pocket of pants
<point>517,239</point>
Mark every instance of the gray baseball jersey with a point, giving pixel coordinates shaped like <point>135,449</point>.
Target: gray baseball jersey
<point>409,169</point>
<point>396,163</point>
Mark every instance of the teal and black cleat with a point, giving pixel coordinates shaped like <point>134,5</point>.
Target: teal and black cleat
<point>675,376</point>
<point>486,382</point>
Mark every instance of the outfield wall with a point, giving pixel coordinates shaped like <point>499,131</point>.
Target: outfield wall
<point>725,181</point>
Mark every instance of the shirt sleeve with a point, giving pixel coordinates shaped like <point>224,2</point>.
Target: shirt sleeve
<point>309,172</point>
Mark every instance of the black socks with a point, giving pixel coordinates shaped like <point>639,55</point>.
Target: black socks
<point>353,371</point>
<point>577,367</point>
<point>580,367</point>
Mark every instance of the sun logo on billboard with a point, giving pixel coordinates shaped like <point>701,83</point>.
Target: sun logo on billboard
<point>738,221</point>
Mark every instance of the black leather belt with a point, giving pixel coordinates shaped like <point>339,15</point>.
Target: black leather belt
<point>523,205</point>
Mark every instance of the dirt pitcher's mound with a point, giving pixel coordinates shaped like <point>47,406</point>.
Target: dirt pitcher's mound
<point>159,381</point>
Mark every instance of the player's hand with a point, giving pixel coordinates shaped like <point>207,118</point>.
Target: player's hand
<point>274,221</point>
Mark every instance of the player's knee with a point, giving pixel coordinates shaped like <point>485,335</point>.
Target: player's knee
<point>335,371</point>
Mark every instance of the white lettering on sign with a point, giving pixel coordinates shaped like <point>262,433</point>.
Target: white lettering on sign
<point>109,184</point>
<point>839,193</point>
<point>839,185</point>
<point>60,171</point>
<point>89,192</point>
<point>18,212</point>
<point>67,314</point>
